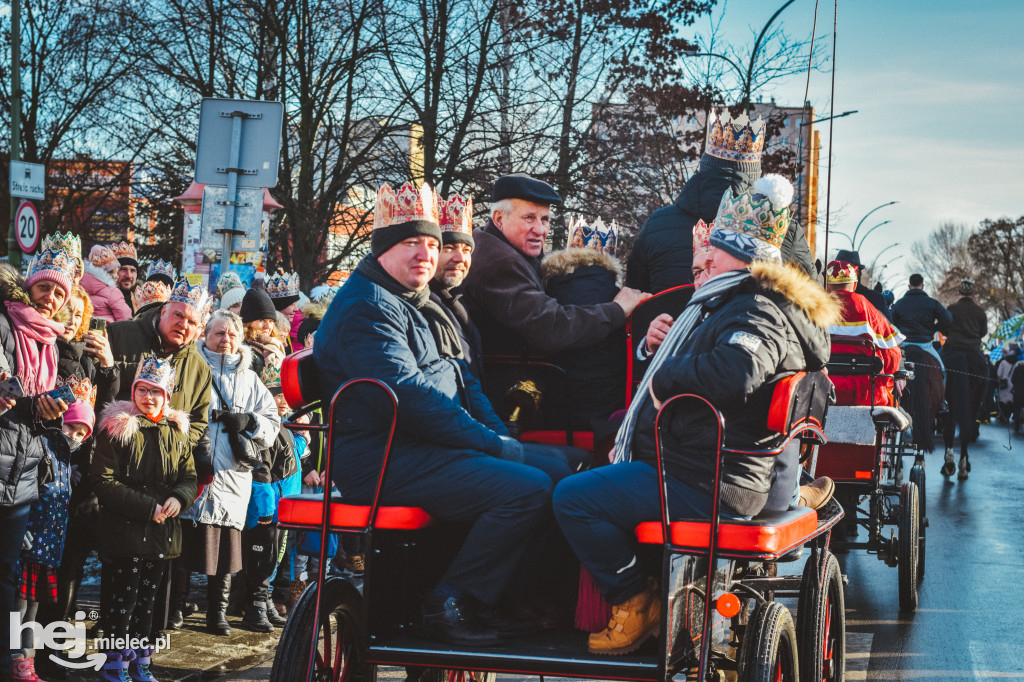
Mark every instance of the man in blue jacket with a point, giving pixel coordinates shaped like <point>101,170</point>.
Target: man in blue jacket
<point>451,455</point>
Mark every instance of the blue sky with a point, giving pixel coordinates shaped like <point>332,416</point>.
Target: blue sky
<point>938,88</point>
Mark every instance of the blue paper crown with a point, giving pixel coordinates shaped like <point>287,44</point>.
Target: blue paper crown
<point>194,296</point>
<point>60,262</point>
<point>158,372</point>
<point>161,267</point>
<point>280,286</point>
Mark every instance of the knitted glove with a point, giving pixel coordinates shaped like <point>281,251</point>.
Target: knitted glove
<point>236,422</point>
<point>511,450</point>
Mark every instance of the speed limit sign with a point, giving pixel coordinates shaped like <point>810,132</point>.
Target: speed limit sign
<point>26,223</point>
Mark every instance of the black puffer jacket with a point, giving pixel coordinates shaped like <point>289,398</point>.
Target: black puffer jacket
<point>596,374</point>
<point>919,316</point>
<point>662,256</point>
<point>970,325</point>
<point>772,325</point>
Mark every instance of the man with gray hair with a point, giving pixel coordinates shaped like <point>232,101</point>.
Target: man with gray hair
<point>504,294</point>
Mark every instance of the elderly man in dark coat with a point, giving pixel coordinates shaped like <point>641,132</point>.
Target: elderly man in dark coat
<point>451,455</point>
<point>504,294</point>
<point>662,256</point>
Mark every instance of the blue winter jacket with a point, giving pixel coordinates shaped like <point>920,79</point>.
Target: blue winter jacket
<point>442,411</point>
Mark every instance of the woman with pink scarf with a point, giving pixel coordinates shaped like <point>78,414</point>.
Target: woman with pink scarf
<point>30,426</point>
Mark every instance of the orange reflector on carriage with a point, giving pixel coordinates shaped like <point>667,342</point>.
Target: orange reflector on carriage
<point>728,605</point>
<point>862,474</point>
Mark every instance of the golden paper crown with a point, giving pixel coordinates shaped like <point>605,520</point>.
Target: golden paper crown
<point>83,389</point>
<point>735,140</point>
<point>841,272</point>
<point>593,236</point>
<point>702,238</point>
<point>103,258</point>
<point>150,292</point>
<point>124,250</point>
<point>456,214</point>
<point>408,205</point>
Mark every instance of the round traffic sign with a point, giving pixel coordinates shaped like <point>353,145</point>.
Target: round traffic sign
<point>26,224</point>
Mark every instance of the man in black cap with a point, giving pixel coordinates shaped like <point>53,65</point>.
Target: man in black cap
<point>504,294</point>
<point>875,298</point>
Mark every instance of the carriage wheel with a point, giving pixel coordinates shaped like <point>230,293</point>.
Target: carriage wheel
<point>917,476</point>
<point>821,623</point>
<point>909,546</point>
<point>339,638</point>
<point>768,652</point>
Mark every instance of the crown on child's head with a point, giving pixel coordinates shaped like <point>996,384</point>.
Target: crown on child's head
<point>157,372</point>
<point>736,139</point>
<point>183,292</point>
<point>83,389</point>
<point>103,258</point>
<point>593,236</point>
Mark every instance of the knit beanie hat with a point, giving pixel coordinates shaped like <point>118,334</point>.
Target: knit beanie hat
<point>753,225</point>
<point>734,143</point>
<point>457,221</point>
<point>397,217</point>
<point>966,287</point>
<point>232,297</point>
<point>256,305</point>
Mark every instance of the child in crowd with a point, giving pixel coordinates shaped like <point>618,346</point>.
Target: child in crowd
<point>48,522</point>
<point>144,477</point>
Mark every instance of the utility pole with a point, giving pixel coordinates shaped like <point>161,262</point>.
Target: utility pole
<point>13,250</point>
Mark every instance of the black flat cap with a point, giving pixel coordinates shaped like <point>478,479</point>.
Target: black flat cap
<point>522,186</point>
<point>851,257</point>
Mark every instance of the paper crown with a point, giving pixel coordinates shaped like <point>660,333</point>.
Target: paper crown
<point>150,292</point>
<point>228,281</point>
<point>758,217</point>
<point>161,268</point>
<point>280,286</point>
<point>124,250</point>
<point>183,292</point>
<point>593,236</point>
<point>735,140</point>
<point>61,240</point>
<point>840,272</point>
<point>323,294</point>
<point>83,389</point>
<point>271,375</point>
<point>456,214</point>
<point>407,205</point>
<point>103,258</point>
<point>156,372</point>
<point>702,238</point>
<point>57,265</point>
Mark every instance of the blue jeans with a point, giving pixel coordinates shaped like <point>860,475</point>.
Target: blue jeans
<point>598,511</point>
<point>13,522</point>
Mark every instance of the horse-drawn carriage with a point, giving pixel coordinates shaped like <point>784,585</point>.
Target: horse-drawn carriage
<point>864,456</point>
<point>720,588</point>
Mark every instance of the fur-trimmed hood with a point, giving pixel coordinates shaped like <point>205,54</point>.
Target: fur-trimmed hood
<point>236,363</point>
<point>121,420</point>
<point>788,280</point>
<point>315,310</point>
<point>12,286</point>
<point>99,273</point>
<point>568,261</point>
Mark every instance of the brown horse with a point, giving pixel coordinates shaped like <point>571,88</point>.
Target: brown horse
<point>924,395</point>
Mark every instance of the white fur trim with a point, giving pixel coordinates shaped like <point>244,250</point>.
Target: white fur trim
<point>99,273</point>
<point>120,420</point>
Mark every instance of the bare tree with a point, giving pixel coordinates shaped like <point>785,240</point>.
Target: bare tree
<point>943,258</point>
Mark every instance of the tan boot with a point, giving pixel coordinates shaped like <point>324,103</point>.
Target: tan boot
<point>295,590</point>
<point>633,621</point>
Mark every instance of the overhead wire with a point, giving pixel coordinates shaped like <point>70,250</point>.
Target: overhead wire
<point>831,125</point>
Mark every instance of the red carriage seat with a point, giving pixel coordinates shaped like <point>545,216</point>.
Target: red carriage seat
<point>300,386</point>
<point>671,301</point>
<point>798,408</point>
<point>857,371</point>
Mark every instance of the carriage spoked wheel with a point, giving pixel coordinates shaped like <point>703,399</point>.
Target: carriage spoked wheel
<point>908,546</point>
<point>768,652</point>
<point>821,622</point>
<point>339,638</point>
<point>917,476</point>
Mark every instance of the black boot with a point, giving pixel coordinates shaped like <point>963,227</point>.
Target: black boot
<point>216,611</point>
<point>453,620</point>
<point>255,617</point>
<point>273,616</point>
<point>236,596</point>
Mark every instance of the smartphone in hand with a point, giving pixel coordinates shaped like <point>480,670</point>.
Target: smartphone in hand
<point>62,393</point>
<point>11,388</point>
<point>97,324</point>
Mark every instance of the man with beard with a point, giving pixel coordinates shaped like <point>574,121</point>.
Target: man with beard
<point>128,273</point>
<point>452,267</point>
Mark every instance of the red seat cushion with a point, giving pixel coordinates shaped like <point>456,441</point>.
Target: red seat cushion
<point>581,439</point>
<point>847,461</point>
<point>307,510</point>
<point>768,533</point>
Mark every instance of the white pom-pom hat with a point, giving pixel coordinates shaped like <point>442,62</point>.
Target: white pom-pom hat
<point>753,225</point>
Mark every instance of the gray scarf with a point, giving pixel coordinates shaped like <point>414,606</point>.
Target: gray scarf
<point>677,336</point>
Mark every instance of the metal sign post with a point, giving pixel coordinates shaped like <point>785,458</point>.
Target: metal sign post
<point>239,145</point>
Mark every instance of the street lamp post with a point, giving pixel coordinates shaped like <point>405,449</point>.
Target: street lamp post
<point>879,255</point>
<point>856,229</point>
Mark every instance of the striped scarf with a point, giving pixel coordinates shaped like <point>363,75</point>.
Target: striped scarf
<point>678,335</point>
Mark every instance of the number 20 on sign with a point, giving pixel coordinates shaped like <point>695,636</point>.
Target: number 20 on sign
<point>26,223</point>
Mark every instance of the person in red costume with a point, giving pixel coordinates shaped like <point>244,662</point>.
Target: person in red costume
<point>862,319</point>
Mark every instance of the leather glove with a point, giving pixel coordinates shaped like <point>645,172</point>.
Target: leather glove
<point>236,422</point>
<point>511,450</point>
